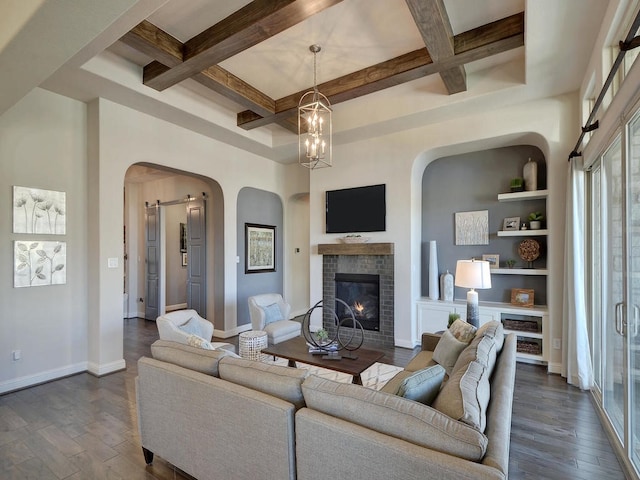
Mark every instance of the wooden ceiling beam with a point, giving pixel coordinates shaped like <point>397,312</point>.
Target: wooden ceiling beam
<point>167,52</point>
<point>478,43</point>
<point>252,24</point>
<point>435,28</point>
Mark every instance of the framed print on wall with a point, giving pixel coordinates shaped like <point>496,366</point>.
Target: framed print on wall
<point>39,211</point>
<point>260,248</point>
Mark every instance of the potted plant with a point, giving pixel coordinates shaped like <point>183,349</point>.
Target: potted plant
<point>452,318</point>
<point>322,336</point>
<point>517,185</point>
<point>535,220</point>
<point>511,263</point>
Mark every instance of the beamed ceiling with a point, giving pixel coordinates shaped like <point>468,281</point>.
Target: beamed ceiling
<point>202,57</point>
<point>234,70</point>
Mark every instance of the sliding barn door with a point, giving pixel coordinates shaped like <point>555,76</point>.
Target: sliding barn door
<point>152,262</point>
<point>197,257</point>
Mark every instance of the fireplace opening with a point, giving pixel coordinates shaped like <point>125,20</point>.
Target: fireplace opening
<point>362,293</point>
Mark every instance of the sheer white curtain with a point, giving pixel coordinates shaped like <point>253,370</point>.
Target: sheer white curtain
<point>576,354</point>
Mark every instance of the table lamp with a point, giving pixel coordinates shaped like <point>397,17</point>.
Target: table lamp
<point>473,274</point>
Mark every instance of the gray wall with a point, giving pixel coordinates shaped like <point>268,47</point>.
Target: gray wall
<point>471,182</point>
<point>264,208</point>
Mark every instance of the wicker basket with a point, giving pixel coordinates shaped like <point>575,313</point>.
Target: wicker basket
<point>530,347</point>
<point>521,325</point>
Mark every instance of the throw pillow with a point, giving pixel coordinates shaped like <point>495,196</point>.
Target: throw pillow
<point>448,350</point>
<point>199,342</point>
<point>272,313</point>
<point>422,386</point>
<point>463,331</point>
<point>192,327</point>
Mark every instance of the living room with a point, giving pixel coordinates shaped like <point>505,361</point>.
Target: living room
<point>78,121</point>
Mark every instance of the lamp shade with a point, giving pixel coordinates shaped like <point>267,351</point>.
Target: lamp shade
<point>473,274</point>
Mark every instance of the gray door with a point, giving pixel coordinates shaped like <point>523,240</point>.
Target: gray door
<point>197,257</point>
<point>152,260</point>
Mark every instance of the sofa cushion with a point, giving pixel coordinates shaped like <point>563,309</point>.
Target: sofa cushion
<point>448,350</point>
<point>278,381</point>
<point>462,331</point>
<point>495,330</point>
<point>272,313</point>
<point>204,361</point>
<point>482,350</point>
<point>394,416</point>
<point>465,396</point>
<point>422,359</point>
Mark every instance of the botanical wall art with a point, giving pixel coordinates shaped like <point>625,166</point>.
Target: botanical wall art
<point>472,228</point>
<point>39,263</point>
<point>260,254</point>
<point>39,211</point>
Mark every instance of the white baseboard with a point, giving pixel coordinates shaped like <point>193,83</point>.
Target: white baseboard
<point>177,306</point>
<point>554,368</point>
<point>104,369</point>
<point>231,333</point>
<point>42,377</point>
<point>404,343</point>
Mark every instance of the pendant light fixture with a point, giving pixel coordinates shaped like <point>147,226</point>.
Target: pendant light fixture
<point>314,125</point>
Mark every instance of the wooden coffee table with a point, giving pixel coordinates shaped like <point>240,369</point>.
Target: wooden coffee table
<point>297,350</point>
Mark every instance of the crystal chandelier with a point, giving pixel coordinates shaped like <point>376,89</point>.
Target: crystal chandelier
<point>314,125</point>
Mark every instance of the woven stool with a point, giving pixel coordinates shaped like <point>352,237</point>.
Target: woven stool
<point>251,344</point>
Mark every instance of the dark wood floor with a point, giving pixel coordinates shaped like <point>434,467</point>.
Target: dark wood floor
<point>83,427</point>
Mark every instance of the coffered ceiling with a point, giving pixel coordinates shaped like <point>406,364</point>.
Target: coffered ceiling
<point>234,69</point>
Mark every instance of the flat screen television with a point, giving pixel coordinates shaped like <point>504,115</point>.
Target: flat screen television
<point>360,209</point>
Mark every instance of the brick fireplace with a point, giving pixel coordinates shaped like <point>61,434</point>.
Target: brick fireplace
<point>367,259</point>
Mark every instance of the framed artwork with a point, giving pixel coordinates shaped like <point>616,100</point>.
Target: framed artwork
<point>511,223</point>
<point>39,263</point>
<point>183,237</point>
<point>260,248</point>
<point>472,228</point>
<point>493,259</point>
<point>522,297</point>
<point>39,211</point>
<point>184,259</point>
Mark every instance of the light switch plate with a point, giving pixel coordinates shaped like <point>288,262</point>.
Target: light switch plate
<point>112,262</point>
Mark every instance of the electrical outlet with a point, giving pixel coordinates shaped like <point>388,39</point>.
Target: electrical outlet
<point>16,355</point>
<point>556,343</point>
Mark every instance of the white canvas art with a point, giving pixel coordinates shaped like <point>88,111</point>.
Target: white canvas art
<point>39,263</point>
<point>472,228</point>
<point>39,211</point>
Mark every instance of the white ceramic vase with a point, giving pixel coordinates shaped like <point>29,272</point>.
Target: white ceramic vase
<point>530,174</point>
<point>433,271</point>
<point>446,286</point>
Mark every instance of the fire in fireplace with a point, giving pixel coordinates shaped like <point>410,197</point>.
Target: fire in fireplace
<point>362,293</point>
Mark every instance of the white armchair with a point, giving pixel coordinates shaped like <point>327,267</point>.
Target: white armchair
<point>169,328</point>
<point>270,313</point>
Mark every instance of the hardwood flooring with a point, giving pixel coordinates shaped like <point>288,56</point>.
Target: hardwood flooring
<point>83,427</point>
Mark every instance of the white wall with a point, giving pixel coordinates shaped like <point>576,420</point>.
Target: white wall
<point>125,137</point>
<point>399,160</point>
<point>43,145</point>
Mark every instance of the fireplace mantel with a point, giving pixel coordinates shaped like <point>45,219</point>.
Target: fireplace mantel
<point>355,249</point>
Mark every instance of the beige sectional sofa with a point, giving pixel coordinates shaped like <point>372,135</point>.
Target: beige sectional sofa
<point>214,415</point>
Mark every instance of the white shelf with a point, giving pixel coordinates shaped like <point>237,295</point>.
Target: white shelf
<point>520,333</point>
<point>529,356</point>
<point>519,196</point>
<point>520,271</point>
<point>523,233</point>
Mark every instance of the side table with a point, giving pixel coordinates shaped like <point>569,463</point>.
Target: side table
<point>251,344</point>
